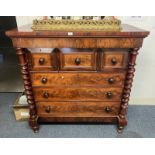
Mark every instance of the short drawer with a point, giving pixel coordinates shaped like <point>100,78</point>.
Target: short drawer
<point>78,79</point>
<point>59,109</point>
<point>114,59</point>
<point>42,59</point>
<point>77,59</point>
<point>77,94</point>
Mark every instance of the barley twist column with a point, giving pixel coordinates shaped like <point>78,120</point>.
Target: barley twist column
<point>127,89</point>
<point>28,88</point>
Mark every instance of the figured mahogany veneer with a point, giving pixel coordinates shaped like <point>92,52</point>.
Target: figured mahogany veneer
<point>84,77</point>
<point>78,79</point>
<point>43,60</point>
<point>88,109</point>
<point>77,94</point>
<point>115,59</point>
<point>77,59</point>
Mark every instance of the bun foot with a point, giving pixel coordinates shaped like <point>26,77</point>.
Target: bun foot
<point>122,122</point>
<point>35,129</point>
<point>34,125</point>
<point>120,129</point>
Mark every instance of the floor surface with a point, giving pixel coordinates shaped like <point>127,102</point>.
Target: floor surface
<point>141,123</point>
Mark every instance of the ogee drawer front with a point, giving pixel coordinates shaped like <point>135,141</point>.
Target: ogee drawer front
<point>78,79</point>
<point>114,59</point>
<point>77,94</point>
<point>77,59</point>
<point>77,108</point>
<point>42,61</point>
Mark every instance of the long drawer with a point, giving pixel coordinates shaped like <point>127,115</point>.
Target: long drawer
<point>77,94</point>
<point>87,109</point>
<point>78,79</point>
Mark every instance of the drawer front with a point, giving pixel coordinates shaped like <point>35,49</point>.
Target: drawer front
<point>59,109</point>
<point>77,94</point>
<point>114,60</point>
<point>78,79</point>
<point>42,61</point>
<point>78,60</point>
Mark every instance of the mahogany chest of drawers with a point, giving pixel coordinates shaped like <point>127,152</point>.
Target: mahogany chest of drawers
<point>77,76</point>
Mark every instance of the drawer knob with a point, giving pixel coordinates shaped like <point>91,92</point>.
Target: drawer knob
<point>77,61</point>
<point>111,80</point>
<point>48,109</point>
<point>109,95</point>
<point>108,109</point>
<point>114,61</point>
<point>46,94</point>
<point>44,80</point>
<point>41,61</point>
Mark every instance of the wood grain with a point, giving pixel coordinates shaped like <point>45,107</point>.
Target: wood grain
<point>47,65</point>
<point>78,79</point>
<point>77,42</point>
<point>28,89</point>
<point>127,31</point>
<point>78,119</point>
<point>77,94</point>
<point>119,56</point>
<point>69,109</point>
<point>127,89</point>
<point>87,61</point>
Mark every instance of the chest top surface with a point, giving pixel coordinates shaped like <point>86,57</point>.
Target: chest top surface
<point>127,31</point>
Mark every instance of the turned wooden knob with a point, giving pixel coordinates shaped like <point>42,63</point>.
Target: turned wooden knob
<point>111,80</point>
<point>46,94</point>
<point>44,80</point>
<point>77,61</point>
<point>41,61</point>
<point>114,61</point>
<point>109,94</point>
<point>48,109</point>
<point>107,109</point>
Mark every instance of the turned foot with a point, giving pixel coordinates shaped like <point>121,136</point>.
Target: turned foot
<point>34,125</point>
<point>122,122</point>
<point>120,129</point>
<point>36,130</point>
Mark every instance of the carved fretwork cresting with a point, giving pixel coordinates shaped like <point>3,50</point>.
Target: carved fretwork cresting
<point>127,88</point>
<point>28,88</point>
